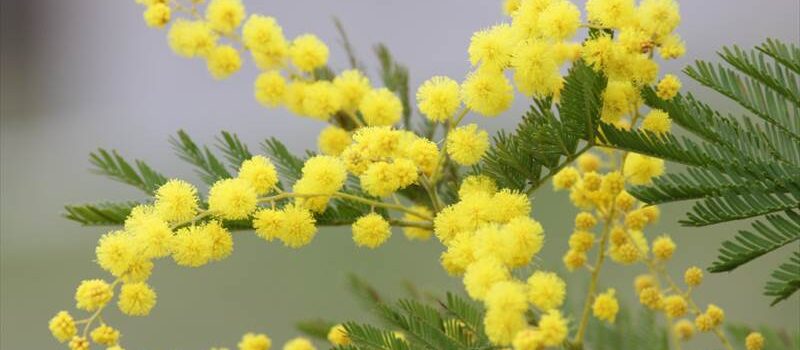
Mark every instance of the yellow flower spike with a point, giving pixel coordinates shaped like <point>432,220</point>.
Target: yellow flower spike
<point>754,341</point>
<point>605,306</point>
<point>105,335</point>
<point>467,144</point>
<point>157,15</point>
<point>299,343</point>
<point>683,329</point>
<point>487,92</point>
<point>546,290</point>
<point>176,201</point>
<point>62,326</point>
<point>337,335</point>
<point>254,341</point>
<point>93,294</point>
<point>693,276</point>
<point>136,299</point>
<point>270,89</point>
<point>657,121</point>
<point>371,231</point>
<point>438,98</point>
<point>225,15</point>
<point>308,52</point>
<point>381,107</point>
<point>232,199</point>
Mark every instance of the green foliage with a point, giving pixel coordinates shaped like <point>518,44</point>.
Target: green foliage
<point>233,149</point>
<point>395,78</point>
<point>99,214</point>
<point>628,332</point>
<point>774,339</point>
<point>114,166</point>
<point>785,280</point>
<point>316,328</point>
<point>209,167</point>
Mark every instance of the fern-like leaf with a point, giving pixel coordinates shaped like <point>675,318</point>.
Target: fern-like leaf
<point>233,149</point>
<point>209,167</point>
<point>100,214</point>
<point>785,280</point>
<point>114,166</point>
<point>777,231</point>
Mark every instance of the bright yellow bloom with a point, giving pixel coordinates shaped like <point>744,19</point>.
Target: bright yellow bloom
<point>492,47</point>
<point>297,226</point>
<point>176,201</point>
<point>716,314</point>
<point>438,98</point>
<point>191,38</point>
<point>477,184</point>
<point>536,70</point>
<point>150,236</point>
<point>268,223</point>
<point>417,233</point>
<point>221,240</point>
<point>546,290</point>
<point>574,259</point>
<point>510,6</point>
<point>62,326</point>
<point>657,121</point>
<point>93,294</point>
<point>157,15</point>
<point>605,306</point>
<point>560,20</point>
<point>295,96</point>
<point>651,298</point>
<point>105,335</point>
<point>683,329</point>
<point>658,17</point>
<point>481,275</point>
<point>643,281</point>
<point>326,173</point>
<point>459,255</point>
<point>565,178</point>
<point>704,323</point>
<point>502,325</point>
<point>509,204</point>
<point>425,154</point>
<point>232,199</point>
<point>270,88</point>
<point>588,162</point>
<point>526,237</point>
<point>253,341</point>
<point>379,179</point>
<point>625,201</point>
<point>675,306</point>
<point>467,144</point>
<point>115,252</point>
<point>333,140</point>
<point>264,37</point>
<point>225,15</point>
<point>672,47</point>
<point>371,231</point>
<point>693,276</point>
<point>641,169</point>
<point>223,61</point>
<point>553,328</point>
<point>585,221</point>
<point>352,85</point>
<point>581,241</point>
<point>610,13</point>
<point>381,107</point>
<point>322,100</point>
<point>528,339</point>
<point>754,341</point>
<point>308,52</point>
<point>299,343</point>
<point>487,92</point>
<point>663,247</point>
<point>260,173</point>
<point>619,99</point>
<point>136,299</point>
<point>192,247</point>
<point>597,52</point>
<point>79,343</point>
<point>668,87</point>
<point>337,335</point>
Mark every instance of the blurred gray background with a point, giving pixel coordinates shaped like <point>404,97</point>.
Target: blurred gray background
<point>82,74</point>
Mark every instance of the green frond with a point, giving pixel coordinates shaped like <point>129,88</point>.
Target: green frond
<point>367,337</point>
<point>730,207</point>
<point>114,166</point>
<point>395,78</point>
<point>352,58</point>
<point>468,313</point>
<point>628,332</point>
<point>776,232</point>
<point>785,280</point>
<point>209,167</point>
<point>787,55</point>
<point>774,338</point>
<point>99,214</point>
<point>233,149</point>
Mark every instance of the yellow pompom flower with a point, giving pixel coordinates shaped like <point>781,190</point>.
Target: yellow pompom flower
<point>253,341</point>
<point>716,314</point>
<point>191,38</point>
<point>105,335</point>
<point>232,199</point>
<point>268,223</point>
<point>553,328</point>
<point>115,251</point>
<point>663,247</point>
<point>651,298</point>
<point>754,341</point>
<point>509,204</point>
<point>675,306</point>
<point>693,276</point>
<point>371,231</point>
<point>192,247</point>
<point>379,179</point>
<point>417,233</point>
<point>62,326</point>
<point>527,339</point>
<point>136,299</point>
<point>297,226</point>
<point>536,70</point>
<point>683,329</point>
<point>157,15</point>
<point>487,92</point>
<point>380,107</point>
<point>640,169</point>
<point>221,240</point>
<point>574,259</point>
<point>565,178</point>
<point>260,173</point>
<point>668,87</point>
<point>481,275</point>
<point>176,201</point>
<point>327,173</point>
<point>619,99</point>
<point>438,98</point>
<point>526,237</point>
<point>321,100</point>
<point>474,184</point>
<point>270,88</point>
<point>79,343</point>
<point>299,343</point>
<point>93,294</point>
<point>152,235</point>
<point>610,13</point>
<point>459,255</point>
<point>581,241</point>
<point>588,162</point>
<point>308,52</point>
<point>672,47</point>
<point>333,140</point>
<point>658,17</point>
<point>467,144</point>
<point>264,37</point>
<point>425,154</point>
<point>492,48</point>
<point>560,20</point>
<point>657,121</point>
<point>704,323</point>
<point>501,325</point>
<point>605,306</point>
<point>225,15</point>
<point>352,85</point>
<point>643,281</point>
<point>585,221</point>
<point>295,96</point>
<point>546,290</point>
<point>337,335</point>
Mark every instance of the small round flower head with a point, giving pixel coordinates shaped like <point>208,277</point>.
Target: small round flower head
<point>221,240</point>
<point>326,174</point>
<point>526,237</point>
<point>507,295</point>
<point>581,241</point>
<point>624,201</point>
<point>657,121</point>
<point>527,339</point>
<point>643,281</point>
<point>487,92</point>
<point>191,38</point>
<point>262,33</point>
<point>704,323</point>
<point>668,87</point>
<point>405,171</point>
<point>651,298</point>
<point>352,85</point>
<point>157,15</point>
<point>115,252</point>
<point>260,173</point>
<point>481,275</point>
<point>509,204</point>
<point>636,220</point>
<point>417,233</point>
<point>105,335</point>
<point>425,154</point>
<point>379,179</point>
<point>150,234</point>
<point>337,335</point>
<point>585,221</point>
<point>675,306</point>
<point>459,255</point>
<point>560,20</point>
<point>333,140</point>
<point>565,178</point>
<point>597,51</point>
<point>381,107</point>
<point>605,306</point>
<point>619,99</point>
<point>299,343</point>
<point>308,53</point>
<point>371,231</point>
<point>610,13</point>
<point>754,341</point>
<point>295,97</point>
<point>501,325</point>
<point>467,144</point>
<point>683,329</point>
<point>613,183</point>
<point>536,69</point>
<point>592,181</point>
<point>716,313</point>
<point>297,226</point>
<point>176,201</point>
<point>492,48</point>
<point>510,6</point>
<point>232,199</point>
<point>663,248</point>
<point>79,343</point>
<point>477,184</point>
<point>693,276</point>
<point>268,223</point>
<point>93,294</point>
<point>658,17</point>
<point>553,328</point>
<point>136,299</point>
<point>438,98</point>
<point>225,15</point>
<point>588,162</point>
<point>672,47</point>
<point>546,290</point>
<point>192,247</point>
<point>62,326</point>
<point>321,100</point>
<point>574,259</point>
<point>640,169</point>
<point>253,341</point>
<point>270,88</point>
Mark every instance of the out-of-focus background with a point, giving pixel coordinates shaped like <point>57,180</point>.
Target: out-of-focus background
<point>82,74</point>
